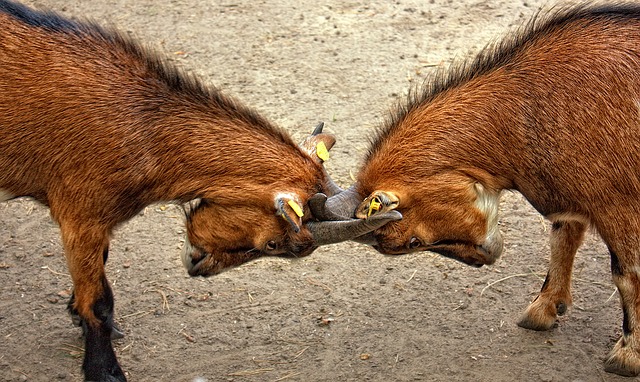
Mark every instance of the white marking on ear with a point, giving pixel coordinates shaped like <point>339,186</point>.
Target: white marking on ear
<point>5,195</point>
<point>488,203</point>
<point>285,196</point>
<point>283,199</point>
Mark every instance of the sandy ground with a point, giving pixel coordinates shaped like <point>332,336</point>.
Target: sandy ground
<point>345,313</point>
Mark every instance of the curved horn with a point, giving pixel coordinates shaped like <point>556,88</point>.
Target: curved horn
<point>318,144</point>
<point>332,187</point>
<point>330,232</point>
<point>340,206</point>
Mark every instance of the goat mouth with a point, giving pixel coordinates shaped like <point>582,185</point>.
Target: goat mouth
<point>196,260</point>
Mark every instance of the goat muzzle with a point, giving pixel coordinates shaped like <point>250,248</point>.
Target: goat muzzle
<point>192,259</point>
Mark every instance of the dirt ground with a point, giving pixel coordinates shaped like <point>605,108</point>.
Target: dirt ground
<point>345,313</point>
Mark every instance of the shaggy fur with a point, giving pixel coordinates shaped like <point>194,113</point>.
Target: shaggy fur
<point>97,127</point>
<point>552,112</point>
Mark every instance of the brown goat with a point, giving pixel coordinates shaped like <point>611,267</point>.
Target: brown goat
<point>553,113</point>
<point>97,128</point>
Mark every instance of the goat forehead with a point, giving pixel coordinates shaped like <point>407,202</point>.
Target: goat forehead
<point>5,195</point>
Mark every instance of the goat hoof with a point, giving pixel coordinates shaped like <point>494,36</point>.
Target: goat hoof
<point>109,378</point>
<point>116,333</point>
<point>538,319</point>
<point>623,360</point>
<point>532,324</point>
<point>561,308</point>
<point>542,313</point>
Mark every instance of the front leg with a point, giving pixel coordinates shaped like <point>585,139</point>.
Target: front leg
<point>100,363</point>
<point>85,247</point>
<point>116,333</point>
<point>555,297</point>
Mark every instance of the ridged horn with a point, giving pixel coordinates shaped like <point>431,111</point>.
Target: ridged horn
<point>340,206</point>
<point>330,232</point>
<point>336,215</point>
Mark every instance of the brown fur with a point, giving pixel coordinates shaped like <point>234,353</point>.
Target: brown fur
<point>553,113</point>
<point>96,127</point>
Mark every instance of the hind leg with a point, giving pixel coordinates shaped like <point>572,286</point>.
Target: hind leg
<point>555,297</point>
<point>85,247</point>
<point>624,359</point>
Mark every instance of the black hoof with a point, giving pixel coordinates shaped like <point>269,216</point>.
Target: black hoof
<point>116,333</point>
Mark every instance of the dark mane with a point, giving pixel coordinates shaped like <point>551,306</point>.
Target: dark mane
<point>34,18</point>
<point>495,55</point>
<point>175,79</point>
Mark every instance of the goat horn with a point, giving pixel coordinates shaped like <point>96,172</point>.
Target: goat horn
<point>337,223</point>
<point>330,232</point>
<point>318,129</point>
<point>332,187</point>
<point>340,206</point>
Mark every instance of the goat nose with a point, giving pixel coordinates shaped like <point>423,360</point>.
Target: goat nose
<point>490,251</point>
<point>192,257</point>
<point>194,271</point>
<point>196,268</point>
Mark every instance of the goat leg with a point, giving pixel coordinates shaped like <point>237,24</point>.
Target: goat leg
<point>86,248</point>
<point>624,358</point>
<point>116,332</point>
<point>555,297</point>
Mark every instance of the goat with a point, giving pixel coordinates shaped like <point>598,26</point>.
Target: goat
<point>553,113</point>
<point>96,127</point>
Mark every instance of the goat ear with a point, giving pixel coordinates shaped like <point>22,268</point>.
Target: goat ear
<point>376,203</point>
<point>288,208</point>
<point>318,144</point>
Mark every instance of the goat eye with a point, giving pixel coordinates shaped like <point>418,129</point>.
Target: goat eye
<point>271,246</point>
<point>414,243</point>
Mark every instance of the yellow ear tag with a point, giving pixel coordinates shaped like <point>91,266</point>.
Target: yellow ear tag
<point>296,208</point>
<point>374,206</point>
<point>322,152</point>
